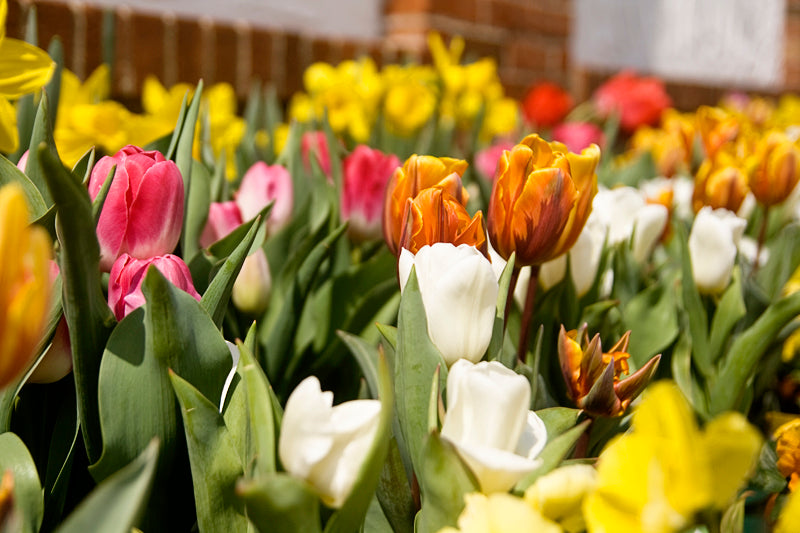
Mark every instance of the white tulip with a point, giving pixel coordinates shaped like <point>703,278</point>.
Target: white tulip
<point>459,292</point>
<point>326,445</point>
<point>523,279</point>
<point>713,243</point>
<point>253,285</point>
<point>625,212</point>
<point>584,259</point>
<point>489,422</point>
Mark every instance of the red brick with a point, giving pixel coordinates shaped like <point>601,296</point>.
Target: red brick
<point>147,34</point>
<point>295,65</point>
<point>226,54</point>
<point>189,60</point>
<point>527,55</point>
<point>546,22</point>
<point>16,18</point>
<point>460,9</point>
<point>94,37</point>
<point>407,6</point>
<point>56,19</point>
<point>261,46</point>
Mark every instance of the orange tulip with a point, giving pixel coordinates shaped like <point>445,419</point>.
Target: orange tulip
<point>720,182</point>
<point>717,128</point>
<point>541,198</point>
<point>777,170</point>
<point>419,172</point>
<point>435,216</point>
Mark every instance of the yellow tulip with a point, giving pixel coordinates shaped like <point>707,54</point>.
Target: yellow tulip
<point>500,513</point>
<point>788,449</point>
<point>24,284</point>
<point>559,495</point>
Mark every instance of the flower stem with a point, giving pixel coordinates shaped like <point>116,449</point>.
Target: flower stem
<point>582,446</point>
<point>762,236</point>
<point>512,285</point>
<point>527,313</point>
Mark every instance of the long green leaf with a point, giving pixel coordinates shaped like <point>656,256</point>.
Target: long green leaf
<point>9,173</point>
<point>367,357</point>
<point>730,310</point>
<point>261,427</point>
<point>198,202</point>
<point>280,503</point>
<point>27,491</point>
<point>42,134</point>
<point>698,319</point>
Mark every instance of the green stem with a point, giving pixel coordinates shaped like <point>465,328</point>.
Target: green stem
<point>527,313</point>
<point>512,285</point>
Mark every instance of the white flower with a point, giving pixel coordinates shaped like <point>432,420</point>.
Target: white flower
<point>253,285</point>
<point>584,259</point>
<point>326,445</point>
<point>713,242</point>
<point>228,380</point>
<point>489,422</point>
<point>459,292</point>
<point>523,279</point>
<point>625,212</point>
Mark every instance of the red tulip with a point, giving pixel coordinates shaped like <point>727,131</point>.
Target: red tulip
<point>261,185</point>
<point>127,274</point>
<point>638,100</point>
<point>546,104</point>
<point>223,218</point>
<point>143,212</point>
<point>366,173</point>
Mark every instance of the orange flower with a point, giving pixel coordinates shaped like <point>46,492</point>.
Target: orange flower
<point>717,128</point>
<point>419,172</point>
<point>777,170</point>
<point>594,379</point>
<point>720,182</point>
<point>541,198</point>
<point>435,216</point>
<point>788,450</point>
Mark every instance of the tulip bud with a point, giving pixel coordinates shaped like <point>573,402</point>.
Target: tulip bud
<point>720,183</point>
<point>326,445</point>
<point>594,378</point>
<point>56,362</point>
<point>417,174</point>
<point>778,169</point>
<point>262,184</point>
<point>459,292</point>
<point>541,199</point>
<point>366,173</point>
<point>24,284</point>
<point>546,104</point>
<point>489,422</point>
<point>143,213</point>
<point>223,218</point>
<point>713,243</point>
<point>127,275</point>
<point>486,160</point>
<point>316,143</point>
<point>638,100</point>
<point>717,129</point>
<point>253,285</point>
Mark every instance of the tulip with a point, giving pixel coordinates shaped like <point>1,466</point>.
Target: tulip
<point>416,174</point>
<point>578,135</point>
<point>489,422</point>
<point>253,285</point>
<point>316,143</point>
<point>56,362</point>
<point>559,495</point>
<point>717,129</point>
<point>778,170</point>
<point>459,293</point>
<point>435,216</point>
<point>584,260</point>
<point>326,445</point>
<point>540,201</point>
<point>223,218</point>
<point>24,284</point>
<point>713,243</point>
<point>500,512</point>
<point>787,447</point>
<point>143,213</point>
<point>486,160</point>
<point>261,185</point>
<point>366,173</point>
<point>594,379</point>
<point>720,183</point>
<point>546,104</point>
<point>638,100</point>
<point>127,275</point>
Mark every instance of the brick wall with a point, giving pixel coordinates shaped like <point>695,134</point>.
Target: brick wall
<point>529,39</point>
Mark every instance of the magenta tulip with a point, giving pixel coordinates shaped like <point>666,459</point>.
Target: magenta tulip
<point>262,184</point>
<point>366,173</point>
<point>316,142</point>
<point>223,218</point>
<point>486,159</point>
<point>578,135</point>
<point>127,274</point>
<point>143,212</point>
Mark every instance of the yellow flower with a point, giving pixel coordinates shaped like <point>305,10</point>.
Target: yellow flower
<point>656,477</point>
<point>788,449</point>
<point>24,68</point>
<point>408,106</point>
<point>790,515</point>
<point>24,284</point>
<point>500,513</point>
<point>559,495</point>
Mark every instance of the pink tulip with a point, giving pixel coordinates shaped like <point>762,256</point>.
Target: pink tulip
<point>23,161</point>
<point>316,142</point>
<point>366,173</point>
<point>262,184</point>
<point>143,212</point>
<point>486,159</point>
<point>57,360</point>
<point>127,274</point>
<point>578,135</point>
<point>223,218</point>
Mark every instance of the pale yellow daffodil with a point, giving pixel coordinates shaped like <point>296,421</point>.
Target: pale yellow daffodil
<point>500,513</point>
<point>24,68</point>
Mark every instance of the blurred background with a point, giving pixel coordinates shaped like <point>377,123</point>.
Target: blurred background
<point>701,48</point>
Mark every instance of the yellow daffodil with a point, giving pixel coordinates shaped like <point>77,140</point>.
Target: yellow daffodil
<point>790,515</point>
<point>657,476</point>
<point>24,284</point>
<point>500,513</point>
<point>559,495</point>
<point>24,68</point>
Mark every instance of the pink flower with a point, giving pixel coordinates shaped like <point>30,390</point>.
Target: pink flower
<point>23,161</point>
<point>223,218</point>
<point>366,173</point>
<point>486,159</point>
<point>143,212</point>
<point>316,142</point>
<point>578,135</point>
<point>127,274</point>
<point>638,100</point>
<point>57,360</point>
<point>262,184</point>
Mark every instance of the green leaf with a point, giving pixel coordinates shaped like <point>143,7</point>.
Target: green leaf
<point>693,305</point>
<point>367,357</point>
<point>557,420</point>
<point>498,331</point>
<point>784,256</point>
<point>85,165</point>
<point>198,202</point>
<point>730,310</point>
<point>215,463</point>
<point>9,173</point>
<point>767,478</point>
<point>737,367</point>
<point>351,515</point>
<point>280,503</point>
<point>60,458</point>
<point>53,88</point>
<point>681,363</point>
<point>553,454</point>
<point>116,503</point>
<point>444,483</point>
<point>183,150</point>
<point>652,318</point>
<point>88,316</point>
<point>416,361</point>
<point>733,518</point>
<point>102,194</point>
<point>394,492</point>
<point>176,133</point>
<point>42,134</point>
<point>27,490</point>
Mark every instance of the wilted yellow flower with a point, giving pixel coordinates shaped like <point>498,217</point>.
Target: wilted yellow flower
<point>559,495</point>
<point>24,68</point>
<point>24,284</point>
<point>657,476</point>
<point>500,513</point>
<point>788,449</point>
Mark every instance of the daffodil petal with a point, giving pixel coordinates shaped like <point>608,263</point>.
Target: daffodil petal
<point>23,68</point>
<point>9,138</point>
